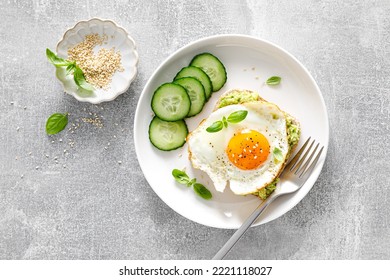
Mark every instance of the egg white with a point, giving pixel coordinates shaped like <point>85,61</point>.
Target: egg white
<point>207,151</point>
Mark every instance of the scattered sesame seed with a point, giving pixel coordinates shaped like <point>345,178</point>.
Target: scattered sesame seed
<point>29,153</point>
<point>94,121</point>
<point>120,162</point>
<point>12,103</point>
<point>60,140</point>
<point>17,129</point>
<point>36,167</point>
<point>21,176</point>
<point>25,107</point>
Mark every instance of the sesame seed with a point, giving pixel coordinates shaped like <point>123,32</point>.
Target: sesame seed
<point>94,121</point>
<point>98,68</point>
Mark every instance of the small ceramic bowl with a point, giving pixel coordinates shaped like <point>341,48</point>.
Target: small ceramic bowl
<point>116,37</point>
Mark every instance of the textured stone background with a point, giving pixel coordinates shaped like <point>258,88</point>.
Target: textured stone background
<point>82,204</point>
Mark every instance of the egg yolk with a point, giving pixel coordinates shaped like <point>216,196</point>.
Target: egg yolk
<point>248,149</point>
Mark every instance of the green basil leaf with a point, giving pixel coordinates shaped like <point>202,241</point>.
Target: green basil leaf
<point>70,68</point>
<point>55,60</point>
<point>215,127</point>
<point>180,176</point>
<point>273,81</point>
<point>190,183</point>
<point>225,124</point>
<point>79,79</point>
<point>56,123</point>
<point>202,191</point>
<point>237,116</point>
<point>278,155</point>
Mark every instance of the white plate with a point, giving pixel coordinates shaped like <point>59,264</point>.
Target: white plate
<point>249,62</point>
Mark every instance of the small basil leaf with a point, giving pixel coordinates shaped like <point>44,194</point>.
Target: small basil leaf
<point>79,79</point>
<point>190,183</point>
<point>55,60</point>
<point>202,191</point>
<point>215,127</point>
<point>273,81</point>
<point>56,123</point>
<point>180,176</point>
<point>225,124</point>
<point>237,116</point>
<point>278,155</point>
<point>70,68</point>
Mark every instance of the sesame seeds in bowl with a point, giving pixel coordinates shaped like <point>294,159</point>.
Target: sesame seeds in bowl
<point>107,55</point>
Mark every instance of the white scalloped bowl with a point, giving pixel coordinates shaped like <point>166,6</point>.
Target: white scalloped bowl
<point>118,38</point>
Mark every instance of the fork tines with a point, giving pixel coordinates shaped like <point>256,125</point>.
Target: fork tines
<point>298,165</point>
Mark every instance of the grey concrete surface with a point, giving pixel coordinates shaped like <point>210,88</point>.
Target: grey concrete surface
<point>64,201</point>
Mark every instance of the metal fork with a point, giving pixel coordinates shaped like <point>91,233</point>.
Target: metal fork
<point>296,172</point>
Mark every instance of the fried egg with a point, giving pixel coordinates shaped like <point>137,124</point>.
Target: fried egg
<point>242,153</point>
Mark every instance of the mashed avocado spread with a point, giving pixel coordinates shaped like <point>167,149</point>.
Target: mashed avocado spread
<point>293,132</point>
<point>238,96</point>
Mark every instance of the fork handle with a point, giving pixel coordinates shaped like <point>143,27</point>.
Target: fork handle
<point>244,227</point>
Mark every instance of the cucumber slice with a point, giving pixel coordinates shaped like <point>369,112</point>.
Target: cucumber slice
<point>167,136</point>
<point>196,93</point>
<point>171,102</point>
<point>213,67</point>
<point>200,75</point>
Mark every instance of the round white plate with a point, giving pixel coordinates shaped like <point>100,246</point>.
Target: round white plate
<point>249,63</point>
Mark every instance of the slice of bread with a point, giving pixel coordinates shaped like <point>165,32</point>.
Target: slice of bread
<point>250,96</point>
<point>238,96</point>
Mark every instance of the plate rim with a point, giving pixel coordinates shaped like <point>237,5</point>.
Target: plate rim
<point>222,37</point>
